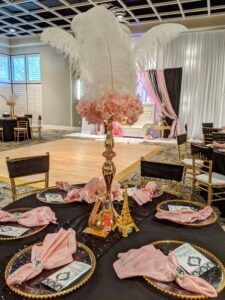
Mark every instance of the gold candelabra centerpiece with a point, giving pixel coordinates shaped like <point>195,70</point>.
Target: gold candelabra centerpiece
<point>104,218</point>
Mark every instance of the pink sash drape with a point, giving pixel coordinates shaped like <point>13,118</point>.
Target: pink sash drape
<point>166,99</point>
<point>164,106</point>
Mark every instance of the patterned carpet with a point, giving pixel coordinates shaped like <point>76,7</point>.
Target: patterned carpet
<point>168,154</point>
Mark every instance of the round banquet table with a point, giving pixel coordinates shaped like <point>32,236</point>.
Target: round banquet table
<point>104,284</point>
<point>8,126</point>
<point>219,167</point>
<point>219,161</point>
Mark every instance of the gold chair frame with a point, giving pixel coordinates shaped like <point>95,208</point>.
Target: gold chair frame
<point>207,187</point>
<point>183,149</point>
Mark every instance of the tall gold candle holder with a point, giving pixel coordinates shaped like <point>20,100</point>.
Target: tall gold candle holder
<point>103,216</point>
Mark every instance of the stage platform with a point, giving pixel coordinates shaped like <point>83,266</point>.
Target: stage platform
<point>77,160</point>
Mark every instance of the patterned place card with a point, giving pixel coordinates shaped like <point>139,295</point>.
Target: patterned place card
<point>67,275</point>
<point>180,207</point>
<point>12,231</point>
<point>130,190</point>
<point>191,260</point>
<point>54,198</point>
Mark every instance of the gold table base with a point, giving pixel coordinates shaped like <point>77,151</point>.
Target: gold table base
<point>96,232</point>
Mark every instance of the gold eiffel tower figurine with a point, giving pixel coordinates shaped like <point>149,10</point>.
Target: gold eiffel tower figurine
<point>125,222</point>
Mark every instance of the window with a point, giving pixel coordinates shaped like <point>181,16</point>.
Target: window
<point>33,68</point>
<point>26,68</point>
<point>4,68</point>
<point>18,68</point>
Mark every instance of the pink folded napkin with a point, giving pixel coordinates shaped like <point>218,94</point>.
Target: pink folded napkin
<point>62,185</point>
<point>38,216</point>
<point>144,195</point>
<point>56,251</point>
<point>93,191</point>
<point>184,216</point>
<point>151,262</point>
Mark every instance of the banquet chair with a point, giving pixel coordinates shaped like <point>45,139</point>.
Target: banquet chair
<point>26,166</point>
<point>207,134</point>
<point>21,130</point>
<point>208,181</point>
<point>183,149</point>
<point>38,127</point>
<point>162,172</point>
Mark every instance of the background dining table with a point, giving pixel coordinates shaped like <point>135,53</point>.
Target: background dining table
<point>104,284</point>
<point>8,125</point>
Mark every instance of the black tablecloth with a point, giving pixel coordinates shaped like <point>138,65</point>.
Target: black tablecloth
<point>8,126</point>
<point>104,284</point>
<point>218,161</point>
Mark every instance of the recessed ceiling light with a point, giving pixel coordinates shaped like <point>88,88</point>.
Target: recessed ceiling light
<point>12,30</point>
<point>119,17</point>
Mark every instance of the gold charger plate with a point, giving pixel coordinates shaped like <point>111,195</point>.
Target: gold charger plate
<point>54,190</point>
<point>34,289</point>
<point>215,276</point>
<point>197,205</point>
<point>32,230</point>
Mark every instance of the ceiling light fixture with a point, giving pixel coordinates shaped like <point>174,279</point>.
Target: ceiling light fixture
<point>12,29</point>
<point>120,17</point>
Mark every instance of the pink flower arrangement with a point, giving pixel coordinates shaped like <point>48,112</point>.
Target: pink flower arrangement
<point>111,105</point>
<point>11,103</point>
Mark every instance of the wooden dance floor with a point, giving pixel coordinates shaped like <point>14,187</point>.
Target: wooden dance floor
<point>77,161</point>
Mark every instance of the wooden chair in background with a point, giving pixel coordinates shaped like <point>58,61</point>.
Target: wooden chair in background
<point>166,173</point>
<point>26,166</point>
<point>208,181</point>
<point>183,149</point>
<point>21,130</point>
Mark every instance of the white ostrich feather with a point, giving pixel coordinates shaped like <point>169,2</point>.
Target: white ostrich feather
<point>105,53</point>
<point>64,42</point>
<point>158,36</point>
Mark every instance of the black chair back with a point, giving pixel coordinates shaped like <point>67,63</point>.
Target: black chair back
<point>207,125</point>
<point>181,139</point>
<point>207,135</point>
<point>25,166</point>
<point>162,170</point>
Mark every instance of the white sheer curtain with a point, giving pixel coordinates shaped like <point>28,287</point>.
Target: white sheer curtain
<point>202,58</point>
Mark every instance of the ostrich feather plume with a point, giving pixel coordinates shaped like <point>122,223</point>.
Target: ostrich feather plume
<point>158,36</point>
<point>105,53</point>
<point>64,42</point>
